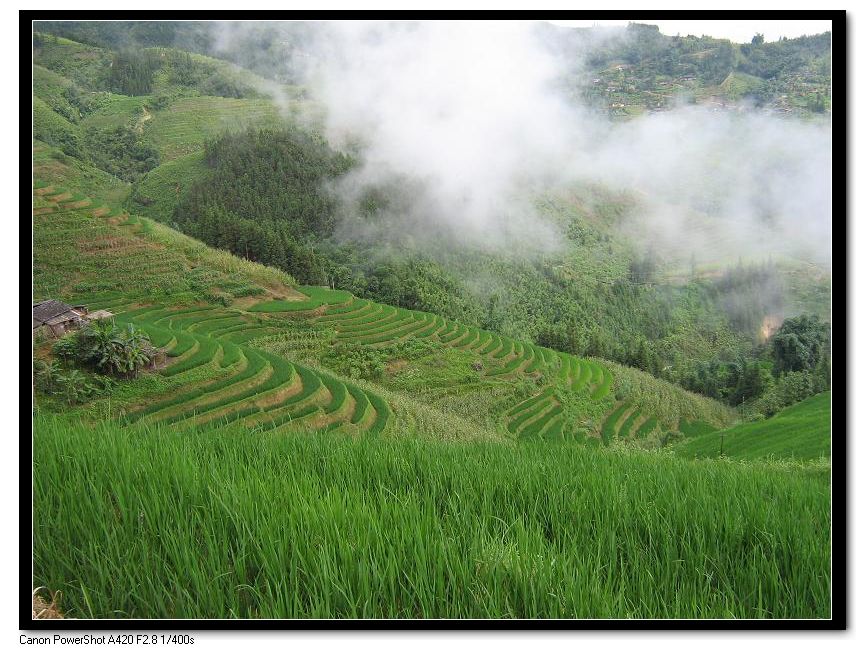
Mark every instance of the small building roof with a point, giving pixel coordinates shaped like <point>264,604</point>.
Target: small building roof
<point>100,313</point>
<point>47,309</point>
<point>53,311</point>
<point>63,318</point>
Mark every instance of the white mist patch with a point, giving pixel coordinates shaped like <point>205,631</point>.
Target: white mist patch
<point>466,108</point>
<point>722,184</point>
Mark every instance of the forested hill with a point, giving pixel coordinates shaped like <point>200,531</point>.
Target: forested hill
<point>623,72</point>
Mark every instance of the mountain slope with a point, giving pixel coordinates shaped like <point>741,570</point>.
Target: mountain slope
<point>801,431</point>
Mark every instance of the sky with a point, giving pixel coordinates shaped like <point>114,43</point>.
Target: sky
<point>738,31</point>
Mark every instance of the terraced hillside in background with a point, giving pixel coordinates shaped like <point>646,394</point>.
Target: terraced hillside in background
<point>247,350</point>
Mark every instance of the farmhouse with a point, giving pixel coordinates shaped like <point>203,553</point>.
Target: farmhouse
<point>52,318</point>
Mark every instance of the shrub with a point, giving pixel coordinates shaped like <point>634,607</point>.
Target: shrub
<point>108,349</point>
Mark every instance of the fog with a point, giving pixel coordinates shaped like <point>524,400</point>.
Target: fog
<point>461,125</point>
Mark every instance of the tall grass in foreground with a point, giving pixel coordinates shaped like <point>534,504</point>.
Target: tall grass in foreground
<point>150,522</point>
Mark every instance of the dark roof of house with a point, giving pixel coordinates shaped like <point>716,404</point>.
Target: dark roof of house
<point>50,309</point>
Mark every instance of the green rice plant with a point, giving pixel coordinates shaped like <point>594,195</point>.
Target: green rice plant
<point>277,306</point>
<point>535,428</point>
<point>373,312</point>
<point>207,349</point>
<point>218,323</point>
<point>538,360</point>
<point>527,414</point>
<point>318,296</point>
<point>467,340</point>
<point>355,308</point>
<point>246,334</point>
<point>506,349</point>
<point>369,322</point>
<point>431,324</point>
<point>183,342</point>
<point>227,419</point>
<point>189,320</point>
<point>310,385</point>
<point>231,354</point>
<point>802,431</point>
<point>454,336</point>
<point>582,373</point>
<point>606,383</point>
<point>405,318</point>
<point>481,342</point>
<point>565,368</point>
<point>159,336</point>
<point>525,404</point>
<point>408,329</point>
<point>338,392</point>
<point>523,355</point>
<point>608,429</point>
<point>448,330</point>
<point>692,428</point>
<point>550,357</point>
<point>333,526</point>
<point>628,424</point>
<point>361,403</point>
<point>220,332</point>
<point>442,328</point>
<point>274,420</point>
<point>325,296</point>
<point>195,399</point>
<point>650,425</point>
<point>396,318</point>
<point>282,373</point>
<point>382,414</point>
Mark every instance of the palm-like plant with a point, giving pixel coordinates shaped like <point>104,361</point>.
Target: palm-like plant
<point>115,351</point>
<point>47,375</point>
<point>74,387</point>
<point>100,342</point>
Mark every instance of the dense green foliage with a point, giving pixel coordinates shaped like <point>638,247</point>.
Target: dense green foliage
<point>640,69</point>
<point>108,348</point>
<point>264,198</point>
<point>198,524</point>
<point>800,344</point>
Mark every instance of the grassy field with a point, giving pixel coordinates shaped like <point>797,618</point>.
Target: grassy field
<point>156,195</point>
<point>194,523</point>
<point>801,431</point>
<point>187,123</point>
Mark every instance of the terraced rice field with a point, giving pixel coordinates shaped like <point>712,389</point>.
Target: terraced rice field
<point>243,385</point>
<point>500,358</point>
<point>226,377</point>
<point>229,380</point>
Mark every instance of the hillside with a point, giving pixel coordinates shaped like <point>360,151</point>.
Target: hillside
<point>251,346</point>
<point>801,431</point>
<point>624,73</point>
<point>180,147</point>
